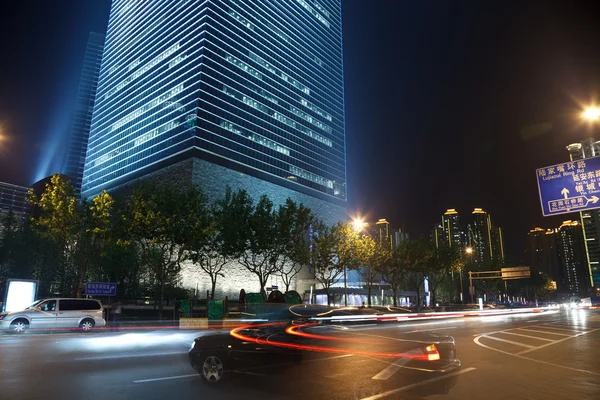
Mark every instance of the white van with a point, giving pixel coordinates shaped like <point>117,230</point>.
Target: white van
<point>85,314</point>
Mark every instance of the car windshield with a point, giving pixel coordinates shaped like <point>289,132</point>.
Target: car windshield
<point>34,304</point>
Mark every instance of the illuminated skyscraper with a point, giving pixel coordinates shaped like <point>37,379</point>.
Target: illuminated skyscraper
<point>589,219</point>
<point>497,237</point>
<point>216,93</point>
<point>543,252</point>
<point>453,236</point>
<point>13,198</point>
<point>573,259</point>
<point>480,236</point>
<point>82,120</point>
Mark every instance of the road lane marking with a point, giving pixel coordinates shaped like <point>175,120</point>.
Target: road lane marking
<point>558,341</point>
<point>559,329</point>
<point>518,355</point>
<point>538,331</point>
<point>527,336</point>
<point>414,385</point>
<point>509,341</point>
<point>237,371</point>
<point>391,369</point>
<point>432,329</point>
<point>130,356</point>
<point>165,378</point>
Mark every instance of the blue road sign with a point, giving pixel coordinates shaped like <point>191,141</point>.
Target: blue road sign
<point>100,289</point>
<point>570,187</point>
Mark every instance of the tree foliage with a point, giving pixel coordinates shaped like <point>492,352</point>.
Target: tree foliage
<point>332,251</point>
<point>160,220</point>
<point>79,229</point>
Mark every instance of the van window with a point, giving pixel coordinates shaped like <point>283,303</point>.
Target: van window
<point>78,305</point>
<point>49,305</point>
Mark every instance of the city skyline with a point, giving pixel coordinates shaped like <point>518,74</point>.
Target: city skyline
<point>390,100</point>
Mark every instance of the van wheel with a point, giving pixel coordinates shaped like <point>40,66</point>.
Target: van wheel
<point>87,325</point>
<point>19,326</point>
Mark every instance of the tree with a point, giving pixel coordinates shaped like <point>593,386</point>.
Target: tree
<point>211,248</point>
<point>259,254</point>
<point>293,222</point>
<point>332,250</point>
<point>79,229</point>
<point>395,268</point>
<point>444,261</point>
<point>416,257</point>
<point>160,218</point>
<point>369,259</point>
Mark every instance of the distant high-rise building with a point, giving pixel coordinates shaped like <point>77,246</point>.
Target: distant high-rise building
<point>223,93</point>
<point>437,236</point>
<point>497,244</point>
<point>453,235</point>
<point>13,198</point>
<point>383,230</point>
<point>537,251</point>
<point>82,120</point>
<point>480,236</point>
<point>573,258</point>
<point>589,219</point>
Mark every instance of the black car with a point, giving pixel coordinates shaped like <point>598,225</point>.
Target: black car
<point>277,343</point>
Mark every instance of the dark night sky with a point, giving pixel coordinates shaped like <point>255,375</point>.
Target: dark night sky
<point>448,104</point>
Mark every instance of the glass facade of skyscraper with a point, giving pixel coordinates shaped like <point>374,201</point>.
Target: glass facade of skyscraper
<point>254,85</point>
<point>82,119</point>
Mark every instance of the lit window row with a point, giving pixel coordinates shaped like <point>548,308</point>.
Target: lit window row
<point>314,13</point>
<point>306,131</point>
<point>177,60</point>
<point>311,177</point>
<point>316,109</point>
<point>142,70</point>
<point>322,9</point>
<point>295,83</point>
<point>310,119</point>
<point>267,96</point>
<point>257,138</point>
<point>245,99</point>
<point>281,118</point>
<point>154,133</point>
<point>278,32</point>
<point>244,67</point>
<point>241,19</point>
<point>261,61</point>
<point>269,67</point>
<point>133,65</point>
<point>140,111</point>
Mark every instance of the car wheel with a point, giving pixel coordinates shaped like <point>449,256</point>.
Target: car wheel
<point>211,369</point>
<point>87,325</point>
<point>19,326</point>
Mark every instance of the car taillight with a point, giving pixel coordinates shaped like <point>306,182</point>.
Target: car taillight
<point>432,353</point>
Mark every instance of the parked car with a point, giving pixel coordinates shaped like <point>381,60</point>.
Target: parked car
<point>47,314</point>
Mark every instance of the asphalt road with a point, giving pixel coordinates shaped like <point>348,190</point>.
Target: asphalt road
<point>550,355</point>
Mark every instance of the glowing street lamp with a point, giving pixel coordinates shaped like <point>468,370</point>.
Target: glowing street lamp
<point>591,114</point>
<point>469,250</point>
<point>359,225</point>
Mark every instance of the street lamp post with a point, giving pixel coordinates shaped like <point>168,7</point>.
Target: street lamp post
<point>469,251</point>
<point>358,225</point>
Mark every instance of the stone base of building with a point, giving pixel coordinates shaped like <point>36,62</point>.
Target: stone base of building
<point>214,179</point>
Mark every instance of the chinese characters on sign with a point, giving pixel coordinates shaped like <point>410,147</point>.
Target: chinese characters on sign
<point>570,187</point>
<point>100,289</point>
